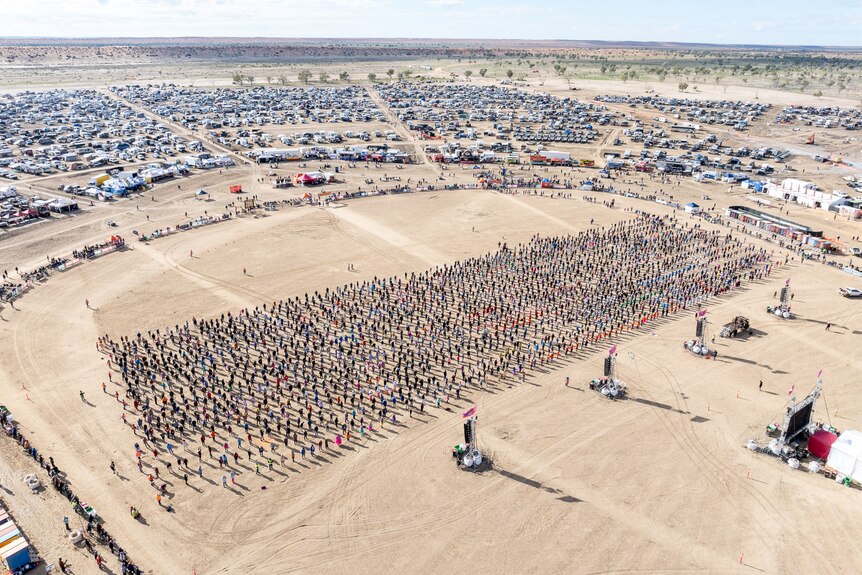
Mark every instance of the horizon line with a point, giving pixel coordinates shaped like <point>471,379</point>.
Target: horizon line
<point>659,43</point>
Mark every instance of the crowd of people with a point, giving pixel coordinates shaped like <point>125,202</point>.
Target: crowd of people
<point>95,532</point>
<point>11,290</point>
<point>89,252</point>
<point>300,377</point>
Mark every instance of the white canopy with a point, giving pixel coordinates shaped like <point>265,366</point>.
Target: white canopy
<point>846,454</point>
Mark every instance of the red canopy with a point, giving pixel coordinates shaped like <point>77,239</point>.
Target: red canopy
<point>820,443</point>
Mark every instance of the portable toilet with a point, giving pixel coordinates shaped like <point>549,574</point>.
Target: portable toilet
<point>15,551</point>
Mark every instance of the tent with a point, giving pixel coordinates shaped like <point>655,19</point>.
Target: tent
<point>692,208</point>
<point>236,189</point>
<point>303,179</point>
<point>820,443</point>
<point>846,454</point>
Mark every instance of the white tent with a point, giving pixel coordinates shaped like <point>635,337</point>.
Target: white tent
<point>846,454</point>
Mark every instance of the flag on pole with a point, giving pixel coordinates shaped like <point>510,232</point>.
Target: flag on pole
<point>612,350</point>
<point>819,373</point>
<point>701,313</point>
<point>790,391</point>
<point>470,411</point>
<point>787,282</point>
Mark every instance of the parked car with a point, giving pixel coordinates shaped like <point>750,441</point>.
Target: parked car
<point>850,292</point>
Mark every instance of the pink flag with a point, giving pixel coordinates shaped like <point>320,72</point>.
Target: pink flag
<point>470,411</point>
<point>790,391</point>
<point>612,350</point>
<point>701,313</point>
<point>819,373</point>
<point>787,282</point>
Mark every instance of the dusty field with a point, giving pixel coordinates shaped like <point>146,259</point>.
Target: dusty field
<point>571,471</point>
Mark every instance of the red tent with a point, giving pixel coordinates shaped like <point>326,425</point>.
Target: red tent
<point>820,443</point>
<point>236,189</point>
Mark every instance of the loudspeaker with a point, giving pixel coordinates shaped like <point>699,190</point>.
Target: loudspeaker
<point>468,432</point>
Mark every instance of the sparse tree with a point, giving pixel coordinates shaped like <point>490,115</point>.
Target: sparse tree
<point>390,72</point>
<point>468,73</point>
<point>817,94</point>
<point>683,86</point>
<point>343,76</point>
<point>324,77</point>
<point>238,78</point>
<point>250,79</point>
<point>282,79</point>
<point>269,79</point>
<point>483,71</point>
<point>509,74</point>
<point>372,77</point>
<point>304,76</point>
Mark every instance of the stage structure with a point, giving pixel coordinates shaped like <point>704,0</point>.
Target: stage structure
<point>798,425</point>
<point>698,345</point>
<point>782,310</point>
<point>468,453</point>
<point>797,419</point>
<point>609,385</point>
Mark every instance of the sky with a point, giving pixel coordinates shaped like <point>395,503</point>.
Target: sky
<point>795,22</point>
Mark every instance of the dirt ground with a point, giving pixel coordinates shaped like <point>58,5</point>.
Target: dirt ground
<point>657,483</point>
<point>660,480</point>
